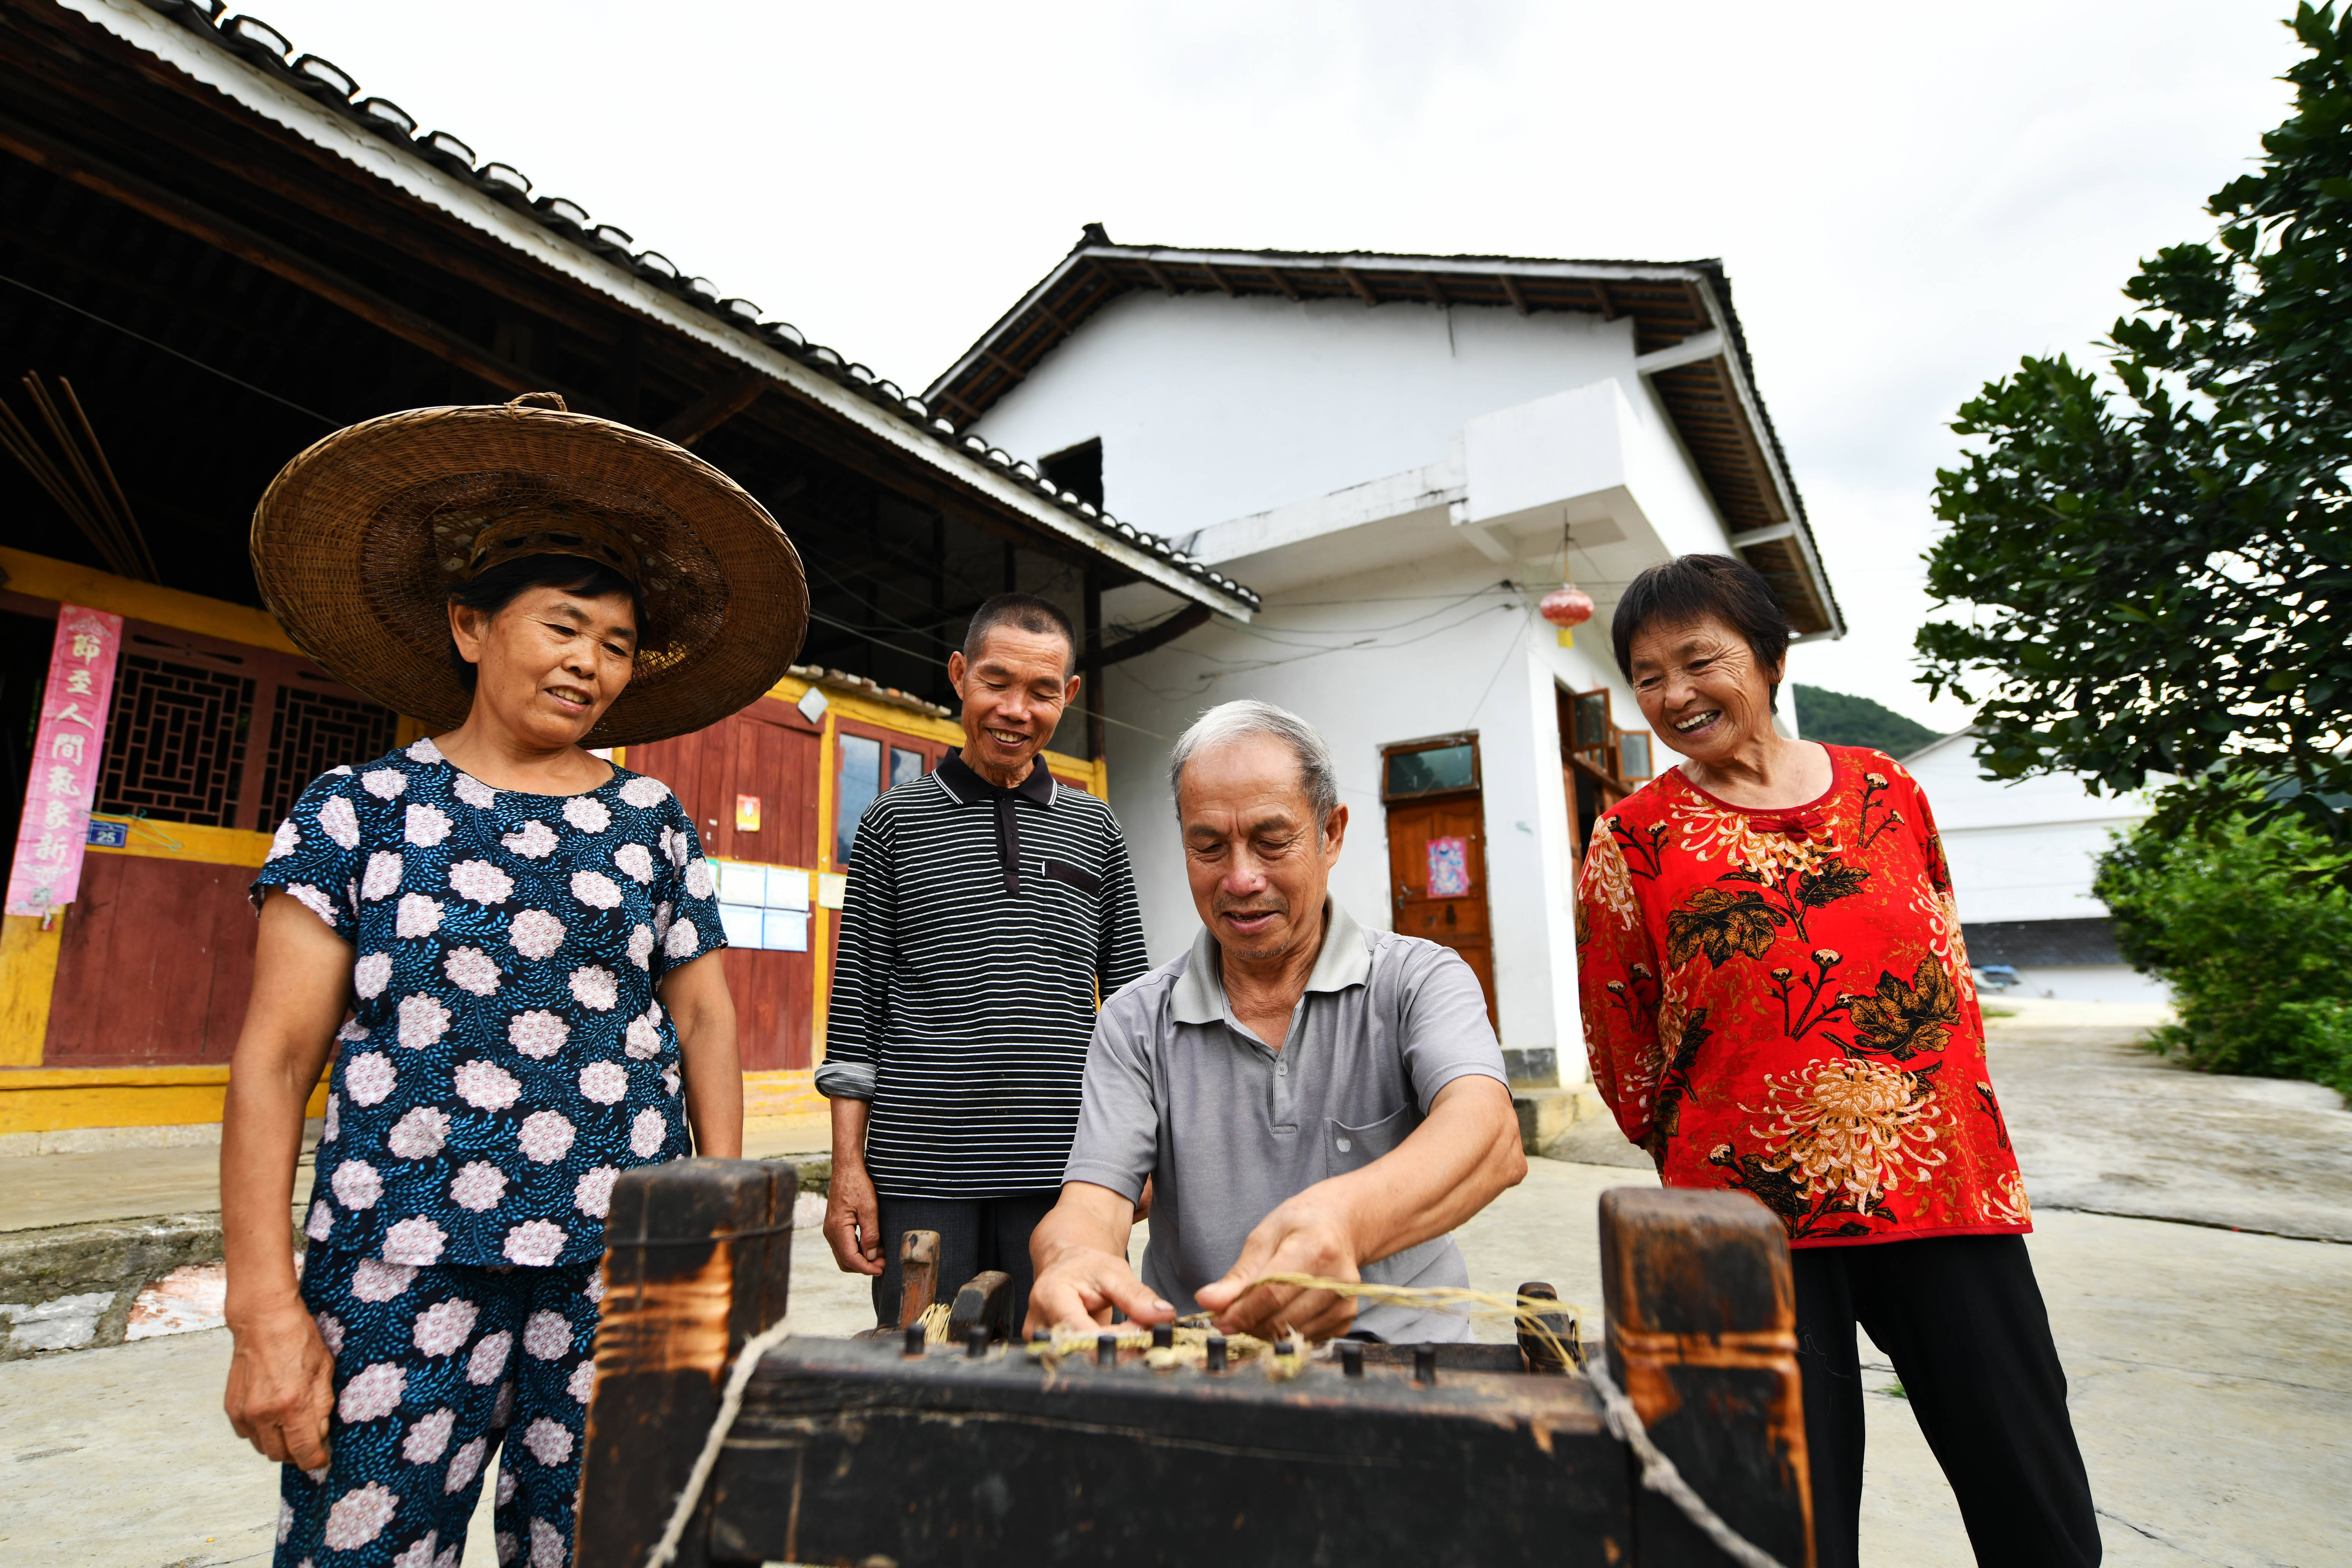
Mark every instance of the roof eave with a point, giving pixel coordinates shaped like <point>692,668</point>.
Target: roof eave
<point>210,62</point>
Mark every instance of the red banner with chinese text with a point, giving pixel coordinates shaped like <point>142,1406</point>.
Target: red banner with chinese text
<point>46,871</point>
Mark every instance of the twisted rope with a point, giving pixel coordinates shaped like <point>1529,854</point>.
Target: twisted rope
<point>1659,1475</point>
<point>731,1406</point>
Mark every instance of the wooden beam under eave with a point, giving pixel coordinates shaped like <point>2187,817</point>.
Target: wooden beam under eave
<point>712,409</point>
<point>1608,305</point>
<point>1053,318</point>
<point>1436,295</point>
<point>1153,271</point>
<point>1281,282</point>
<point>226,234</point>
<point>1218,279</point>
<point>1511,291</point>
<point>1357,284</point>
<point>1001,363</point>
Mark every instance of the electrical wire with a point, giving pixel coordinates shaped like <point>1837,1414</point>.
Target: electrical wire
<point>175,353</point>
<point>1245,667</point>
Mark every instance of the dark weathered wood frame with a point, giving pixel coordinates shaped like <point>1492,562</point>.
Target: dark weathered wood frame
<point>854,1451</point>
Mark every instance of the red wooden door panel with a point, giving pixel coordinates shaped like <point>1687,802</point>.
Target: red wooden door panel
<point>154,965</point>
<point>770,752</point>
<point>1437,876</point>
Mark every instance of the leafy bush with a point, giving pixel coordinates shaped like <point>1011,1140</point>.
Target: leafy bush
<point>2257,949</point>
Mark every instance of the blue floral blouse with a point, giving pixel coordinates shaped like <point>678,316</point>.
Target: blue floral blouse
<point>505,1057</point>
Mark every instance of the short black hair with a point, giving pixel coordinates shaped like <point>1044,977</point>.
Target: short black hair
<point>1026,612</point>
<point>501,585</point>
<point>1692,587</point>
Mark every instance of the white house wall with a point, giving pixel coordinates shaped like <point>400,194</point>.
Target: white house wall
<point>1489,665</point>
<point>2024,851</point>
<point>1211,409</point>
<point>1384,477</point>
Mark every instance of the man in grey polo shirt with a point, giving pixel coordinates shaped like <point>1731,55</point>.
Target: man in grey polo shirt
<point>1307,1096</point>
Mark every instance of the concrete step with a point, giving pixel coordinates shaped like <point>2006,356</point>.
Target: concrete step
<point>1546,1114</point>
<point>102,1282</point>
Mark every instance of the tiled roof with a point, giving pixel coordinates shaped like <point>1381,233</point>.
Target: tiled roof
<point>322,80</point>
<point>1710,396</point>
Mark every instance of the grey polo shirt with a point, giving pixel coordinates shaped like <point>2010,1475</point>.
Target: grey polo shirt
<point>1178,1090</point>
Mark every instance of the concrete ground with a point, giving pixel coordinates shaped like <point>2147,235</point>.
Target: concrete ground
<point>2211,1370</point>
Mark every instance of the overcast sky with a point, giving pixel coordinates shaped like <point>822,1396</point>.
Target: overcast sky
<point>1907,197</point>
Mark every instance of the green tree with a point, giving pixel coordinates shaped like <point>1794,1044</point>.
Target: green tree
<point>2259,957</point>
<point>1845,720</point>
<point>2159,557</point>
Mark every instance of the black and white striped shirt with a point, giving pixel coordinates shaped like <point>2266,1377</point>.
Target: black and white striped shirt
<point>980,926</point>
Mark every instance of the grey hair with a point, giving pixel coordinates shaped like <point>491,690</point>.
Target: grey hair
<point>1231,722</point>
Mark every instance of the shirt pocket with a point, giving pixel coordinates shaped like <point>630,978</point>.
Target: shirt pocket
<point>1070,876</point>
<point>1352,1148</point>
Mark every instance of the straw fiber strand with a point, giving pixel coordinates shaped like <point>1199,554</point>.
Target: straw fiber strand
<point>358,541</point>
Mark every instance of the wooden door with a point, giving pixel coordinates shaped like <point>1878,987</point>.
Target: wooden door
<point>765,754</point>
<point>1437,875</point>
<point>154,967</point>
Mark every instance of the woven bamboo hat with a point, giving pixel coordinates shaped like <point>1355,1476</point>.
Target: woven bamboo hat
<point>358,541</point>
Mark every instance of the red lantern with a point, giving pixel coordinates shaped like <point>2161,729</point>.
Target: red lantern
<point>1567,605</point>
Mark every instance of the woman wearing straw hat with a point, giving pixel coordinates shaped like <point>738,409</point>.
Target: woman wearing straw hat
<point>512,939</point>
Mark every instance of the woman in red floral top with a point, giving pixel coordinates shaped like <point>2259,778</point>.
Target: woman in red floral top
<point>1777,1000</point>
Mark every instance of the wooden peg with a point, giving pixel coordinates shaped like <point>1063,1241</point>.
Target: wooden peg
<point>919,1274</point>
<point>1544,1357</point>
<point>986,1299</point>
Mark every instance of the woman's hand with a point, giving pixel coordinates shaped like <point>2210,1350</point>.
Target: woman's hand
<point>281,1385</point>
<point>281,1380</point>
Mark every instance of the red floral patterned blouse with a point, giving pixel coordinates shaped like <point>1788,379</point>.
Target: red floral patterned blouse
<point>1778,1002</point>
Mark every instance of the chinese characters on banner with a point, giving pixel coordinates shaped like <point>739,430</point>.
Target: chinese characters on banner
<point>64,780</point>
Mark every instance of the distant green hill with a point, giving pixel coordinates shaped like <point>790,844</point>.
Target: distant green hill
<point>1842,720</point>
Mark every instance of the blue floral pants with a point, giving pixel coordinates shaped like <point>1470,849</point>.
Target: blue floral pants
<point>437,1370</point>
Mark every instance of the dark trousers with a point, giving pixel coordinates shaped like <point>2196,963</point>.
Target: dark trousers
<point>975,1234</point>
<point>1962,1320</point>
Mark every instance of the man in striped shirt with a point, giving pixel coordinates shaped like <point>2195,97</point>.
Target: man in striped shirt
<point>989,910</point>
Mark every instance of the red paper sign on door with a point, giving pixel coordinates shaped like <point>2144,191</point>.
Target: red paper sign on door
<point>46,871</point>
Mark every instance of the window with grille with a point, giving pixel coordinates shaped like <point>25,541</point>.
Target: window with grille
<point>175,743</point>
<point>310,732</point>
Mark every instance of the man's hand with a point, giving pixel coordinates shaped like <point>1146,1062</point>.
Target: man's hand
<point>852,1220</point>
<point>1302,1236</point>
<point>281,1387</point>
<point>1076,1293</point>
<point>1463,1154</point>
<point>1080,1253</point>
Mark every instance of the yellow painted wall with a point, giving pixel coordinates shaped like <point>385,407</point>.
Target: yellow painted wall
<point>37,1100</point>
<point>45,578</point>
<point>55,1100</point>
<point>187,841</point>
<point>28,975</point>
